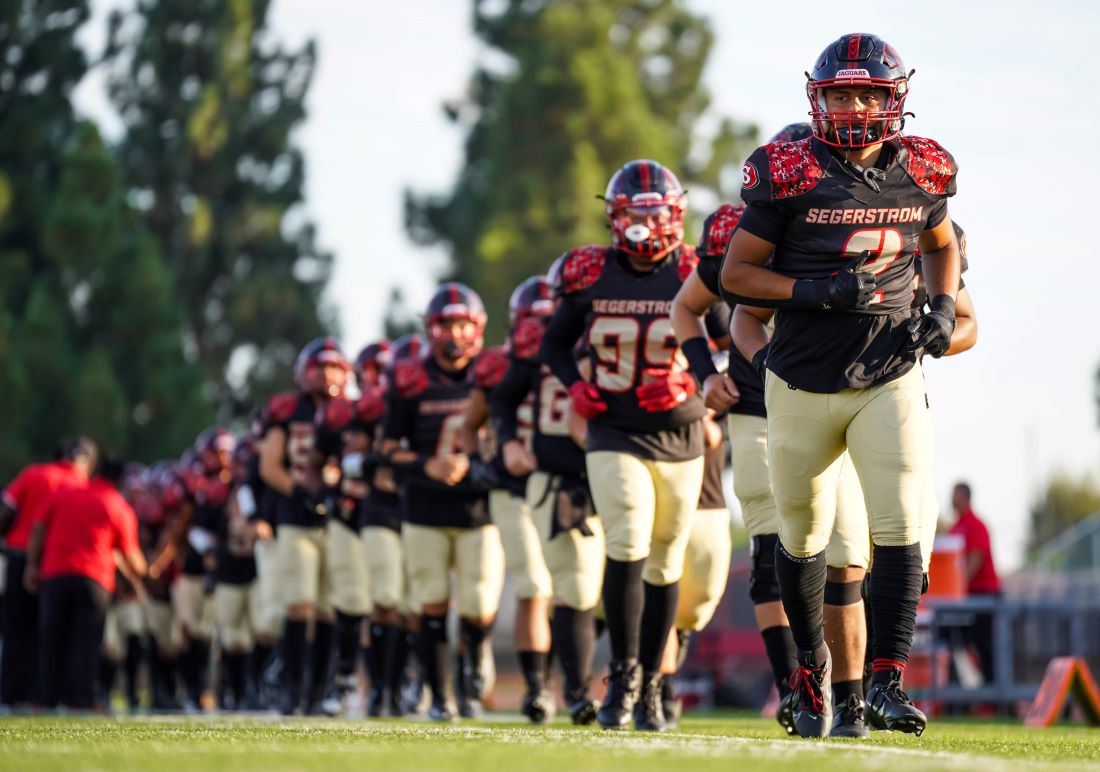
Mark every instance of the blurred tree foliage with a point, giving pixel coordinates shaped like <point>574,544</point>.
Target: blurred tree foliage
<point>91,335</point>
<point>1066,501</point>
<point>209,102</point>
<point>569,91</point>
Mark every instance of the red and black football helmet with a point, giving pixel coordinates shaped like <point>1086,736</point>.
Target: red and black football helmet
<point>214,449</point>
<point>372,362</point>
<point>532,297</point>
<point>322,369</point>
<point>455,321</point>
<point>858,59</point>
<point>792,132</point>
<point>411,344</point>
<point>645,205</point>
<point>555,277</point>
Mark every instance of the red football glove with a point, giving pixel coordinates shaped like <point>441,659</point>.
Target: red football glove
<point>585,399</point>
<point>666,391</point>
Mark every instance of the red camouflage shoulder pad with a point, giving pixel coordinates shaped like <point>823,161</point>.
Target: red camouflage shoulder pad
<point>718,229</point>
<point>215,493</point>
<point>582,267</point>
<point>410,377</point>
<point>337,414</point>
<point>371,405</point>
<point>686,261</point>
<point>930,166</point>
<point>282,406</point>
<point>490,367</point>
<point>793,168</point>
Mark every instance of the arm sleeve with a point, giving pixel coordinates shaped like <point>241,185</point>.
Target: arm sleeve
<point>565,329</point>
<point>717,321</point>
<point>506,399</point>
<point>709,271</point>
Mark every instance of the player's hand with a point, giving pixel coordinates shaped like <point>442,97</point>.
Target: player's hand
<point>261,531</point>
<point>932,331</point>
<point>209,562</point>
<point>849,288</point>
<point>448,470</point>
<point>667,390</point>
<point>720,392</point>
<point>585,400</point>
<point>517,459</point>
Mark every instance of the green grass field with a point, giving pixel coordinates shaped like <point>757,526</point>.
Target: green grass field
<point>713,743</point>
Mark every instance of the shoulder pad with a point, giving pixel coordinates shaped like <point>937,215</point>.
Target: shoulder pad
<point>371,405</point>
<point>215,493</point>
<point>780,170</point>
<point>718,229</point>
<point>490,367</point>
<point>686,261</point>
<point>410,377</point>
<point>930,166</point>
<point>337,414</point>
<point>282,407</point>
<point>582,267</point>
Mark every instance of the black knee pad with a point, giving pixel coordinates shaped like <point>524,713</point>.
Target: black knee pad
<point>763,582</point>
<point>843,593</point>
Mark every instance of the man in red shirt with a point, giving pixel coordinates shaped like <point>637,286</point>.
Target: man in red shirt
<point>981,575</point>
<point>20,504</point>
<point>71,564</point>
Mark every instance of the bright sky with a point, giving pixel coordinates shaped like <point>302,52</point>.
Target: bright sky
<point>1003,93</point>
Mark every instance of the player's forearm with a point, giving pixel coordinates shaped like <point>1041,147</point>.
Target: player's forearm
<point>276,477</point>
<point>749,333</point>
<point>966,326</point>
<point>941,269</point>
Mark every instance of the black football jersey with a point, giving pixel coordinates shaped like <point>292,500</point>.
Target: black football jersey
<point>236,564</point>
<point>627,333</point>
<point>749,384</point>
<point>430,423</point>
<point>307,449</point>
<point>820,213</point>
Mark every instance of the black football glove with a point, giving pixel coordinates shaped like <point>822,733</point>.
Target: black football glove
<point>760,360</point>
<point>483,476</point>
<point>849,288</point>
<point>932,331</point>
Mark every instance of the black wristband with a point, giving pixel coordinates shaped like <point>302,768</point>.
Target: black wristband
<point>810,293</point>
<point>698,356</point>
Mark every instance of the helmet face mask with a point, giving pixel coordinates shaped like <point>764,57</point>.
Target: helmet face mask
<point>645,204</point>
<point>867,68</point>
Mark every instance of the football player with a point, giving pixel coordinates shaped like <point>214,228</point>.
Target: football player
<point>293,457</point>
<point>644,446</point>
<point>838,216</point>
<point>446,518</point>
<point>392,636</point>
<point>561,505</point>
<point>160,535</point>
<point>529,304</point>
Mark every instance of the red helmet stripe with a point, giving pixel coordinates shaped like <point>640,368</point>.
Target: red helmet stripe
<point>646,182</point>
<point>853,47</point>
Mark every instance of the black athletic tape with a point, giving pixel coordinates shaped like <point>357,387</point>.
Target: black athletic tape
<point>843,593</point>
<point>763,582</point>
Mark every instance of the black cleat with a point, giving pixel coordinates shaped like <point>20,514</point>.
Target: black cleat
<point>375,700</point>
<point>290,704</point>
<point>624,680</point>
<point>784,714</point>
<point>889,707</point>
<point>538,706</point>
<point>649,714</point>
<point>812,696</point>
<point>396,704</point>
<point>583,710</point>
<point>849,721</point>
<point>671,705</point>
<point>439,711</point>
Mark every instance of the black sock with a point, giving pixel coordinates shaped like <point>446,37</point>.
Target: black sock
<point>348,627</point>
<point>658,614</point>
<point>433,653</point>
<point>473,637</point>
<point>201,667</point>
<point>323,633</point>
<point>782,654</point>
<point>395,648</point>
<point>106,676</point>
<point>376,656</point>
<point>683,638</point>
<point>623,597</point>
<point>842,689</point>
<point>601,626</point>
<point>575,635</point>
<point>294,656</point>
<point>533,665</point>
<point>163,676</point>
<point>895,594</point>
<point>802,587</point>
<point>257,663</point>
<point>232,676</point>
<point>135,653</point>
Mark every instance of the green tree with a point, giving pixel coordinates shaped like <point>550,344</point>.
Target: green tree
<point>1066,501</point>
<point>588,86</point>
<point>209,102</point>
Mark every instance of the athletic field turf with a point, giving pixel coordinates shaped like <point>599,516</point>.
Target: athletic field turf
<point>730,744</point>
